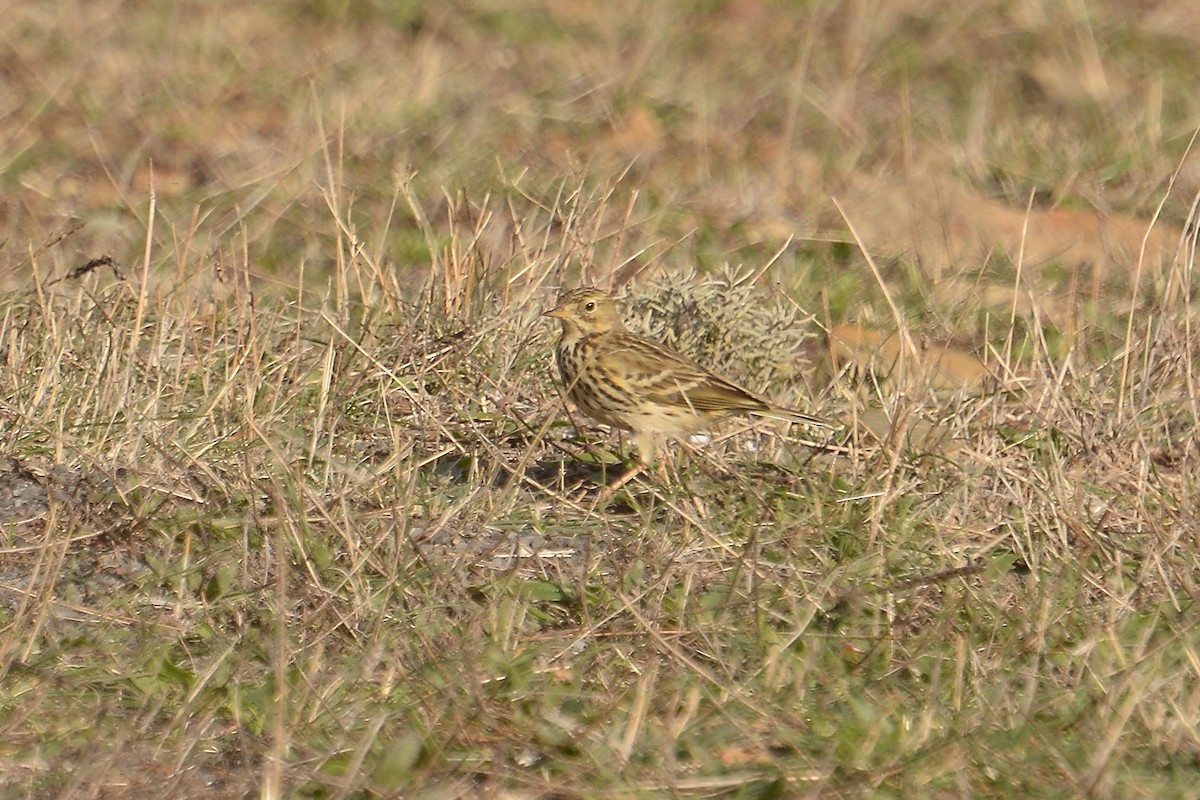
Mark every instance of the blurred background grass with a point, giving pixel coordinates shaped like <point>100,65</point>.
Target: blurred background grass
<point>728,125</point>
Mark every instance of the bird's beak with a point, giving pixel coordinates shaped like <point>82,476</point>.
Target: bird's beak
<point>557,313</point>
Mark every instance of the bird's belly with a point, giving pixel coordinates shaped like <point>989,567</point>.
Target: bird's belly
<point>671,420</point>
<point>638,416</point>
<point>601,409</point>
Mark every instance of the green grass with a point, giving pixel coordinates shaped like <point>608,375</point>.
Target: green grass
<point>290,505</point>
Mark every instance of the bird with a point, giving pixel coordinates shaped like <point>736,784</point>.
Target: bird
<point>636,384</point>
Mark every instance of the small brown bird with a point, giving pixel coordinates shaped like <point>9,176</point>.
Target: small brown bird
<point>630,382</point>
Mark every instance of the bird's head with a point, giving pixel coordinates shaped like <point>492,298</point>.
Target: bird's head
<point>584,312</point>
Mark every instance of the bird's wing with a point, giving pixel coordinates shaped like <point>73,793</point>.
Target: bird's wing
<point>662,376</point>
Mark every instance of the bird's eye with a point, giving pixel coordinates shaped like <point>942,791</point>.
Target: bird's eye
<point>590,305</point>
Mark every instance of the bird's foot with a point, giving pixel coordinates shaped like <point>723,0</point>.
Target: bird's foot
<point>611,489</point>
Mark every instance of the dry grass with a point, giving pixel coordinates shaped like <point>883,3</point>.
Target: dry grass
<point>291,506</point>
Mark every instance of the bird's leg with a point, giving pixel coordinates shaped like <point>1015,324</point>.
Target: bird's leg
<point>646,448</point>
<point>614,487</point>
<point>662,470</point>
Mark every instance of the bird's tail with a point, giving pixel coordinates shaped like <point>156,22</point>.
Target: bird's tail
<point>791,415</point>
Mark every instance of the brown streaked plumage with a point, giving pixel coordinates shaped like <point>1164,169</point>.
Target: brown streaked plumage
<point>630,382</point>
